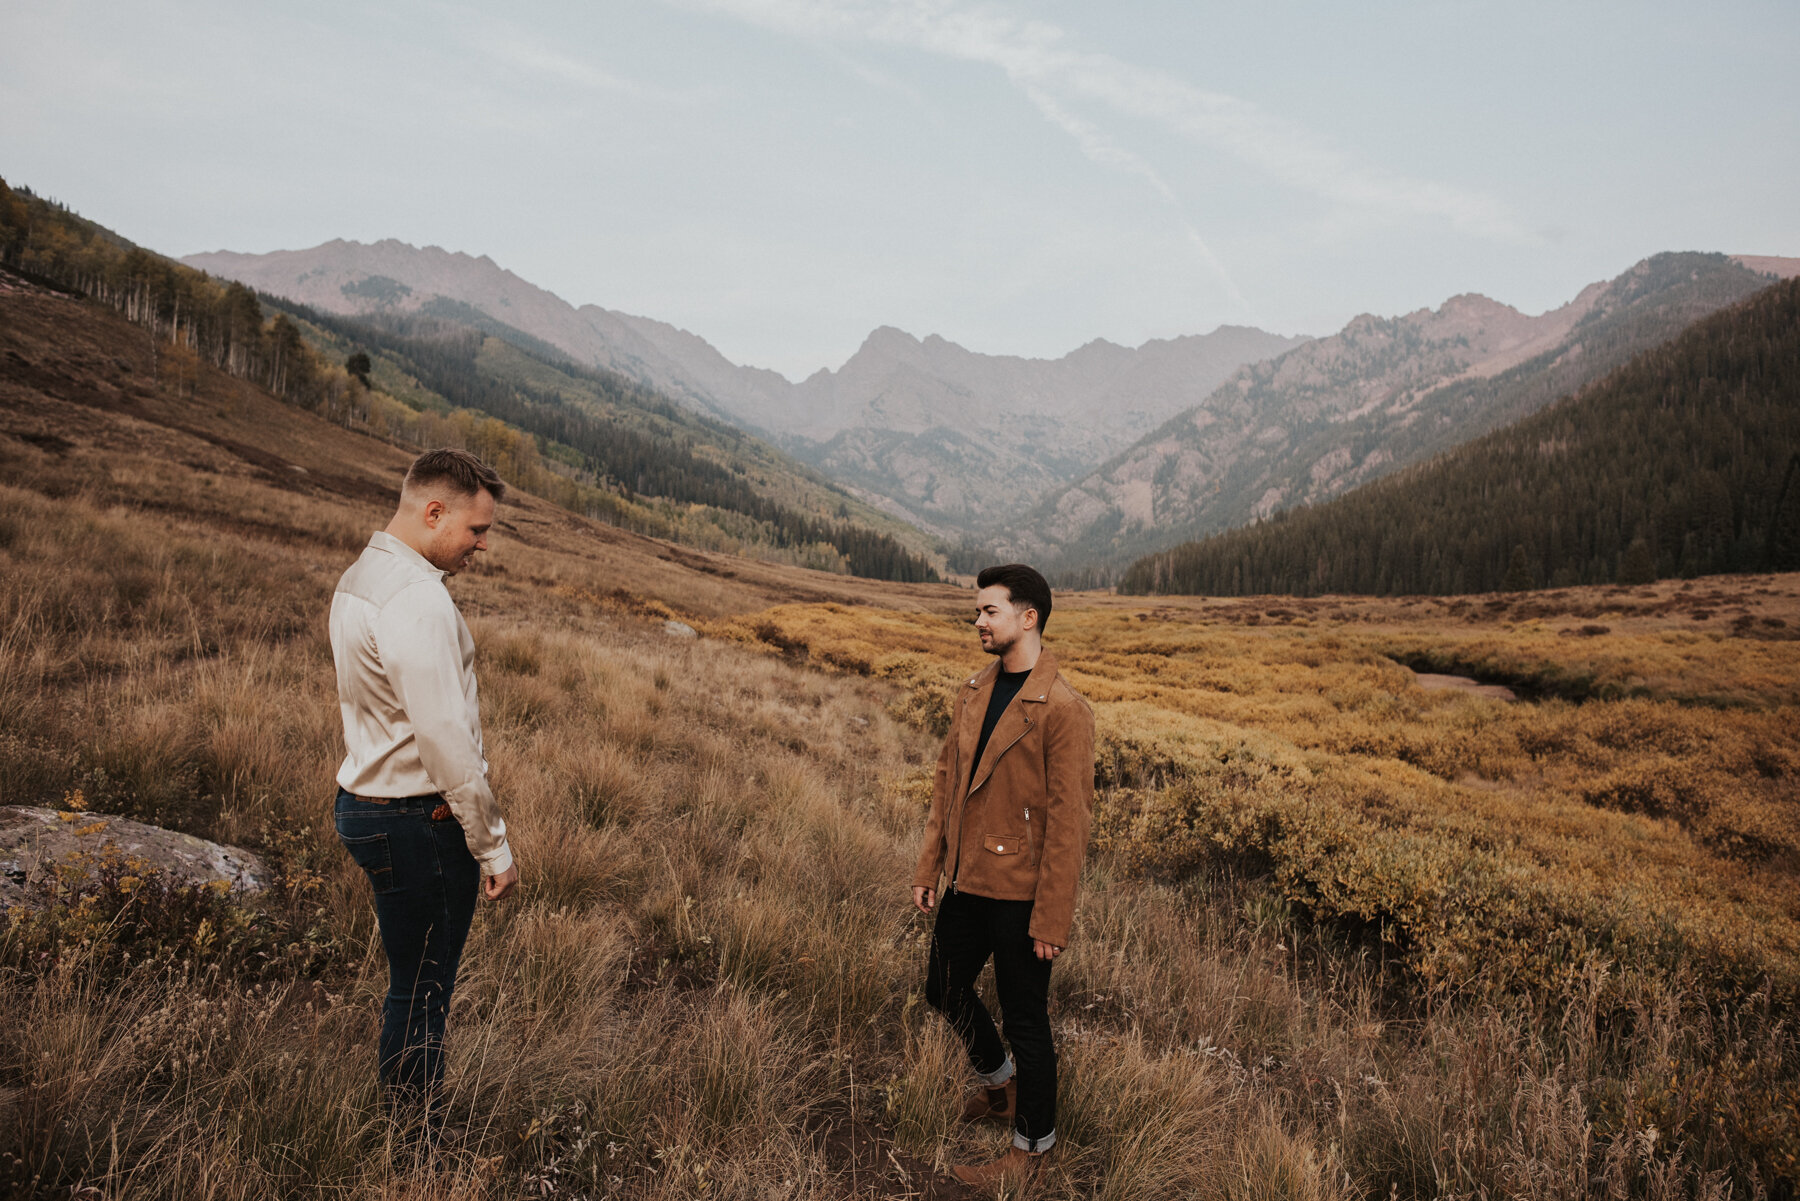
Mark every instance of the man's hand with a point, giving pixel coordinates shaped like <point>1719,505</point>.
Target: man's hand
<point>923,898</point>
<point>1044,950</point>
<point>495,887</point>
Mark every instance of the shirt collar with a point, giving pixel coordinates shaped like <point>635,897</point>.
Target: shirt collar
<point>382,540</point>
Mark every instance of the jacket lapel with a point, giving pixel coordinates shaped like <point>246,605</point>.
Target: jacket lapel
<point>982,686</point>
<point>1015,721</point>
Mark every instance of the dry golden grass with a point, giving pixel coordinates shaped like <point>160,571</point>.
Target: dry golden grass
<point>1493,845</point>
<point>709,986</point>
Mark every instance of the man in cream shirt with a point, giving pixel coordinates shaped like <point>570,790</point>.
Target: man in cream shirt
<point>413,807</point>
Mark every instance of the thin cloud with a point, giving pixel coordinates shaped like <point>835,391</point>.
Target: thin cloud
<point>1037,58</point>
<point>513,48</point>
<point>1097,147</point>
<point>870,75</point>
<point>1095,144</point>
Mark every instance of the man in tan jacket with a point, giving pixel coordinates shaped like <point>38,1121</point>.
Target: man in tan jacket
<point>1010,810</point>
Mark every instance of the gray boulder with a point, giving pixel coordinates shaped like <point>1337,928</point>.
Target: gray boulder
<point>33,840</point>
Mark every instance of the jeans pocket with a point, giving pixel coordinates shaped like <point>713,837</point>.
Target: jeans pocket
<point>372,855</point>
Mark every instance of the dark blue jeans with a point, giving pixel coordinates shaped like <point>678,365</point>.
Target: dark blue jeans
<point>969,931</point>
<point>425,884</point>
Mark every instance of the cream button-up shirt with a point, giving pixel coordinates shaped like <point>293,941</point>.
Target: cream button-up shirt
<point>406,689</point>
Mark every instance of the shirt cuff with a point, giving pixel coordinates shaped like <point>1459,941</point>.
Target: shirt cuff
<point>497,861</point>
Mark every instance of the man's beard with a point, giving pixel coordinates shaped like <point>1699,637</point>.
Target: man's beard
<point>436,554</point>
<point>994,646</point>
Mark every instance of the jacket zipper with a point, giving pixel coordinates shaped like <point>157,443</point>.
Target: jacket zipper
<point>964,811</point>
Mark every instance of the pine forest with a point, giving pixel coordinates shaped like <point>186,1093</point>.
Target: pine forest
<point>1683,462</point>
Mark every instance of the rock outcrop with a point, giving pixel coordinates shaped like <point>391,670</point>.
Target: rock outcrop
<point>33,841</point>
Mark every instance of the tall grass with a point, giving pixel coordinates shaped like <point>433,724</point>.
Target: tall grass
<point>710,985</point>
<point>1582,898</point>
<point>1482,841</point>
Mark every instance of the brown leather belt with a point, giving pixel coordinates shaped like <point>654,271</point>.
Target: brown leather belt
<point>441,813</point>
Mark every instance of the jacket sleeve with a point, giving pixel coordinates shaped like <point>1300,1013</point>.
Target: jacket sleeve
<point>1068,815</point>
<point>418,638</point>
<point>943,789</point>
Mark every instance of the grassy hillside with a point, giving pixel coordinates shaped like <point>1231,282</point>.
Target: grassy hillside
<point>1684,462</point>
<point>590,441</point>
<point>1619,848</point>
<point>631,456</point>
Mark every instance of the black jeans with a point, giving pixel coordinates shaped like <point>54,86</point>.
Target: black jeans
<point>425,884</point>
<point>970,930</point>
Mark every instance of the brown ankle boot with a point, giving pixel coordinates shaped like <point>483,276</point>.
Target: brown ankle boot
<point>980,1108</point>
<point>1016,1167</point>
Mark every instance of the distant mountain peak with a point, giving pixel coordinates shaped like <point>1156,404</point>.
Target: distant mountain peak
<point>883,337</point>
<point>1475,302</point>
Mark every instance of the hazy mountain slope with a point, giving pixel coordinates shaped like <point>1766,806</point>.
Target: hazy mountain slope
<point>925,429</point>
<point>690,367</point>
<point>960,441</point>
<point>347,278</point>
<point>1769,264</point>
<point>1381,393</point>
<point>1685,461</point>
<point>642,461</point>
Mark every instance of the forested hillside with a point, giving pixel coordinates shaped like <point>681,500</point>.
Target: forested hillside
<point>591,441</point>
<point>626,453</point>
<point>1380,395</point>
<point>1686,461</point>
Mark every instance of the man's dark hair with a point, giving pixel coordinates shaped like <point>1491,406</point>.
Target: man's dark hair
<point>463,472</point>
<point>1027,588</point>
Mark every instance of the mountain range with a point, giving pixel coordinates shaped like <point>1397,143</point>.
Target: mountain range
<point>940,435</point>
<point>1378,395</point>
<point>1683,462</point>
<point>1083,462</point>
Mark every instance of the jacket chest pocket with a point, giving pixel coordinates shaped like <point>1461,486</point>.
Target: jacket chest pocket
<point>1003,844</point>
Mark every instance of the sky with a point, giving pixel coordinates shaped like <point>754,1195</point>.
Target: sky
<point>783,176</point>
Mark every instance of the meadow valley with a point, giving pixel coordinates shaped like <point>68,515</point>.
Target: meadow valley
<point>1340,936</point>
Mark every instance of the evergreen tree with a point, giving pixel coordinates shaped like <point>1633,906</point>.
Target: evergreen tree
<point>1518,572</point>
<point>1636,565</point>
<point>1783,550</point>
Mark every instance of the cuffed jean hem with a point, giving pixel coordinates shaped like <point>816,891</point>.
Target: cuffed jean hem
<point>998,1076</point>
<point>1034,1144</point>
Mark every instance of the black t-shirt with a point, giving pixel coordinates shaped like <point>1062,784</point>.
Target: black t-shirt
<point>1006,686</point>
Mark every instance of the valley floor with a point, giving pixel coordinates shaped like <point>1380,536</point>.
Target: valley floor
<point>1340,936</point>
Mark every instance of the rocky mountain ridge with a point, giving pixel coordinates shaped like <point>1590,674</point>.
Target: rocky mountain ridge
<point>1379,394</point>
<point>924,428</point>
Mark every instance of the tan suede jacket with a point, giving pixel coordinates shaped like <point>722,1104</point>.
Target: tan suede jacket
<point>1017,830</point>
